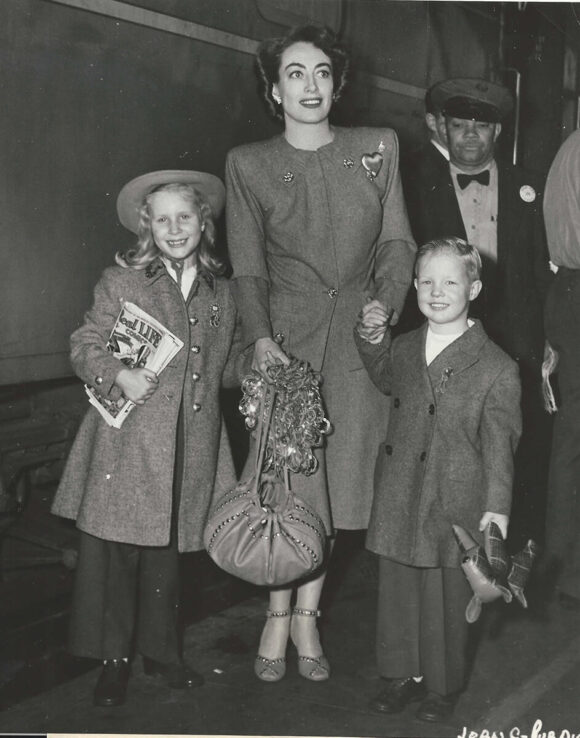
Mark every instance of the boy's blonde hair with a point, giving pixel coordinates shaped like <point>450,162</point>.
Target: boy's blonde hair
<point>146,249</point>
<point>468,254</point>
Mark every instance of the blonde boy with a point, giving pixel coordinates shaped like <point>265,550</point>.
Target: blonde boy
<point>454,426</point>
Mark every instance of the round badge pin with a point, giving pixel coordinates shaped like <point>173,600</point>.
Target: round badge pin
<point>527,193</point>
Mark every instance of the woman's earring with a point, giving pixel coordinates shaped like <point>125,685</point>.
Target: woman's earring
<point>277,99</point>
<point>202,227</point>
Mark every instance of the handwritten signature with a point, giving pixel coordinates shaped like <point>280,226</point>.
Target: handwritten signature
<point>536,732</point>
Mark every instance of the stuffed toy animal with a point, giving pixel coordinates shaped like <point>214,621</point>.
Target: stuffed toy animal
<point>491,572</point>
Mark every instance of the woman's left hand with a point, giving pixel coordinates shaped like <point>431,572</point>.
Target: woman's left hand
<point>502,522</point>
<point>373,321</point>
<point>266,353</point>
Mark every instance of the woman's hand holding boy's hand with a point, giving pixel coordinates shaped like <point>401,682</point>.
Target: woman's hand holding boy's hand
<point>266,353</point>
<point>501,521</point>
<point>137,385</point>
<point>373,322</point>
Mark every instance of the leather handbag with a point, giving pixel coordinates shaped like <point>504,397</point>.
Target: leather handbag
<point>261,531</point>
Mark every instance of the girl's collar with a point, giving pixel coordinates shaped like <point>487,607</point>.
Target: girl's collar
<point>157,267</point>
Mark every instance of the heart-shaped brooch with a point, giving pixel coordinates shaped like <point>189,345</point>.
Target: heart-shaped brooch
<point>373,162</point>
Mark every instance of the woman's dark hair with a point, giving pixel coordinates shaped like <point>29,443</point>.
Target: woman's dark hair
<point>270,53</point>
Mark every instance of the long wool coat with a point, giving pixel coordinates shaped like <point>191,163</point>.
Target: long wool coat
<point>118,482</point>
<point>448,456</point>
<point>311,235</point>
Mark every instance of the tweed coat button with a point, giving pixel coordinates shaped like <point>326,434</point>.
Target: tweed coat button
<point>196,407</point>
<point>98,380</point>
<point>332,292</point>
<point>389,450</point>
<point>196,376</point>
<point>195,349</point>
<point>193,320</point>
<point>396,402</point>
<point>431,409</point>
<point>423,456</point>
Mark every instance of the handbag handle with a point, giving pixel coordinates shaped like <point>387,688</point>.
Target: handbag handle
<point>263,430</point>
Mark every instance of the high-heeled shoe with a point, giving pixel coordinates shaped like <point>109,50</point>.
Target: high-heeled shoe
<point>271,670</point>
<point>317,669</point>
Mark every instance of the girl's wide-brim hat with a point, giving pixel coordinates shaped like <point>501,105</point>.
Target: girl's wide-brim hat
<point>131,196</point>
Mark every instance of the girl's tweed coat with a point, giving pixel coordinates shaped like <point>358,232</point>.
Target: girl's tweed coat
<point>118,483</point>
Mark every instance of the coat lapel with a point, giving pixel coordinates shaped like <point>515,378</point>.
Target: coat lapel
<point>509,209</point>
<point>444,208</point>
<point>457,357</point>
<point>413,364</point>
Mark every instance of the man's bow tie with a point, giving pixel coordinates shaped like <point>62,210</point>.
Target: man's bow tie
<point>464,179</point>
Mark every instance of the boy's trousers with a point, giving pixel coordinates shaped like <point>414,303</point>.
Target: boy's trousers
<point>421,625</point>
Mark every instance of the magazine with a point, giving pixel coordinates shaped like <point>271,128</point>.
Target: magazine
<point>137,340</point>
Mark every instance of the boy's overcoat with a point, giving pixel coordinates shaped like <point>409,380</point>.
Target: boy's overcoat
<point>118,482</point>
<point>448,457</point>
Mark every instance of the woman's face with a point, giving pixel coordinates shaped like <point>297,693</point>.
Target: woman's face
<point>305,83</point>
<point>175,225</point>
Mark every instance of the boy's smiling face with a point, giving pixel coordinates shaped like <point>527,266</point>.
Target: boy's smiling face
<point>444,291</point>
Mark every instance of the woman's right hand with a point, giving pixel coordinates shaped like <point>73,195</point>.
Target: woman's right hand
<point>137,385</point>
<point>266,353</point>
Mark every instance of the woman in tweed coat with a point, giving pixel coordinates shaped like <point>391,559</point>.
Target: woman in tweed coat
<point>316,226</point>
<point>141,494</point>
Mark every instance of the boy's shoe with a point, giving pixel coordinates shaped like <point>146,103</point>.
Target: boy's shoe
<point>111,687</point>
<point>397,694</point>
<point>436,708</point>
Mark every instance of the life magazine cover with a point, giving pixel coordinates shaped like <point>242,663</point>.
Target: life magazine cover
<point>138,341</point>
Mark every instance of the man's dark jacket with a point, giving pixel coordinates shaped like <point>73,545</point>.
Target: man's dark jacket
<point>511,302</point>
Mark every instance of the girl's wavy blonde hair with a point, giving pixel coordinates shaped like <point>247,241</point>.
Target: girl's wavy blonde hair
<point>146,250</point>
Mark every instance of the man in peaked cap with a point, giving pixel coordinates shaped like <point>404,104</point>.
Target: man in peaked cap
<point>423,163</point>
<point>497,207</point>
<point>419,167</point>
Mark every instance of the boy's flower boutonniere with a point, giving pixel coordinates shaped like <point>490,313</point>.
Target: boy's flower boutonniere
<point>373,162</point>
<point>445,376</point>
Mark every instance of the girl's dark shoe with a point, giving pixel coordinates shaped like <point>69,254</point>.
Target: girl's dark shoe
<point>176,676</point>
<point>397,694</point>
<point>436,708</point>
<point>111,687</point>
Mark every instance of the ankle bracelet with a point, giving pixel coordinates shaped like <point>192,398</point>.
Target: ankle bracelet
<point>311,613</point>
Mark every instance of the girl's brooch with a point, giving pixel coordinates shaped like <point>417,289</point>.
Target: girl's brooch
<point>373,162</point>
<point>215,315</point>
